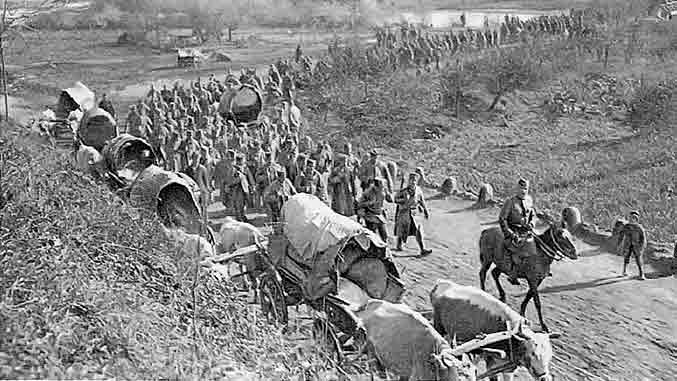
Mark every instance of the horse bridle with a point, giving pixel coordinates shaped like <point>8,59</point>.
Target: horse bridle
<point>558,248</point>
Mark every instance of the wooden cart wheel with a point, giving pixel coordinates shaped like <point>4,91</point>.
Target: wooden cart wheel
<point>273,303</point>
<point>325,333</point>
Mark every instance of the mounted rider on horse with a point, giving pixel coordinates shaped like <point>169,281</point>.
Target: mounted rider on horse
<point>517,223</point>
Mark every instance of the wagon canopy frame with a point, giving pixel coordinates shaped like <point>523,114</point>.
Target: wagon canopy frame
<point>97,127</point>
<point>75,97</point>
<point>166,193</point>
<point>243,107</point>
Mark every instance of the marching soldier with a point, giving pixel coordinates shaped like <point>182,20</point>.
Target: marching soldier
<point>277,193</point>
<point>633,243</point>
<point>372,169</point>
<point>309,181</point>
<point>265,175</point>
<point>342,183</point>
<point>107,105</point>
<point>223,173</point>
<point>370,208</point>
<point>255,160</point>
<point>517,223</point>
<point>410,200</point>
<point>239,188</point>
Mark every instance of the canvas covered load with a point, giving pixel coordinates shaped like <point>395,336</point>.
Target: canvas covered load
<point>96,128</point>
<point>324,243</point>
<point>77,97</point>
<point>245,104</point>
<point>172,195</point>
<point>127,155</point>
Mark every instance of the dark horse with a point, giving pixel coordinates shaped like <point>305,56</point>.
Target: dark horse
<point>554,244</point>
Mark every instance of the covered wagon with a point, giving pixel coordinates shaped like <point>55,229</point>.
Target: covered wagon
<point>126,156</point>
<point>76,97</point>
<point>173,196</point>
<point>325,260</point>
<point>242,105</point>
<point>97,126</point>
<point>72,103</point>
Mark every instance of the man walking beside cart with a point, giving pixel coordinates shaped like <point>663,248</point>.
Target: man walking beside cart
<point>409,201</point>
<point>370,207</point>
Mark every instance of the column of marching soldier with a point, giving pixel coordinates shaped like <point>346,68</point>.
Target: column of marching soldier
<point>259,165</point>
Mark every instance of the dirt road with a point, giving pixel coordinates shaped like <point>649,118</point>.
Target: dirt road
<point>614,328</point>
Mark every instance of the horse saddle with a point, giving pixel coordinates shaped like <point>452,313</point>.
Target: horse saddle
<point>523,246</point>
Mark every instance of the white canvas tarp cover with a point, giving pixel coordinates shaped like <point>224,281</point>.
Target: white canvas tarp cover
<point>312,227</point>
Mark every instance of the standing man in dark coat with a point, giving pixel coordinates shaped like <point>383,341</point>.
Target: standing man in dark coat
<point>107,105</point>
<point>409,201</point>
<point>370,207</point>
<point>633,243</point>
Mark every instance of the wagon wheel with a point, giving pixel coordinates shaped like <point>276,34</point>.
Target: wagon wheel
<point>325,333</point>
<point>273,303</point>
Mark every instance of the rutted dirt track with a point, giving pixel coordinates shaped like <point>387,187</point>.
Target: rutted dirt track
<point>614,327</point>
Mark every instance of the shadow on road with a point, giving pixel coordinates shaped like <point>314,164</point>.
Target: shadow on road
<point>466,209</point>
<point>581,285</point>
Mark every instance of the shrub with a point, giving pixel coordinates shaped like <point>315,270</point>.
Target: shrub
<point>653,106</point>
<point>514,69</point>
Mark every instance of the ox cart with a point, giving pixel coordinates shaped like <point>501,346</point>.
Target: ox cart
<point>324,260</point>
<point>241,105</point>
<point>334,265</point>
<point>61,124</point>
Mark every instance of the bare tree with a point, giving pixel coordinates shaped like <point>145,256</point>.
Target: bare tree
<point>14,22</point>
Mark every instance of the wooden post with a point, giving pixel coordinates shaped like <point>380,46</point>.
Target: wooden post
<point>459,77</point>
<point>2,59</point>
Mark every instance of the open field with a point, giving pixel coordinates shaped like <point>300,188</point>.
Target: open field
<point>616,328</point>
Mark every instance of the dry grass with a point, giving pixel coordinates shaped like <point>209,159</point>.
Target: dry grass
<point>92,289</point>
<point>595,162</point>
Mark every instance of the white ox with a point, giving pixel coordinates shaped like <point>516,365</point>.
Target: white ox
<point>404,342</point>
<point>236,235</point>
<point>90,161</point>
<point>464,312</point>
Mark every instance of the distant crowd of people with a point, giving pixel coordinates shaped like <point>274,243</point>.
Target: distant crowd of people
<point>261,164</point>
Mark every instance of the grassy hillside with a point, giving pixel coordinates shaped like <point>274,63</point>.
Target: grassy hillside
<point>92,289</point>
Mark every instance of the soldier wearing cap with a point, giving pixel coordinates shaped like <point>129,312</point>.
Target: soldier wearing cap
<point>106,105</point>
<point>409,200</point>
<point>632,242</point>
<point>277,193</point>
<point>223,173</point>
<point>373,168</point>
<point>239,188</point>
<point>351,160</point>
<point>370,208</point>
<point>342,186</point>
<point>517,223</point>
<point>265,175</point>
<point>309,181</point>
<point>255,160</point>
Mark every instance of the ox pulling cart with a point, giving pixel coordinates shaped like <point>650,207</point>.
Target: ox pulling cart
<point>332,264</point>
<point>324,260</point>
